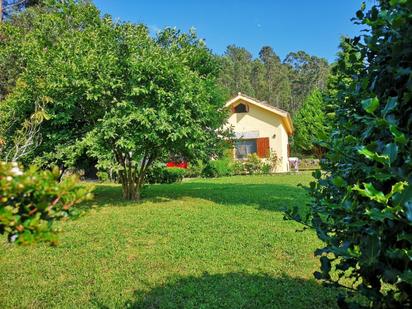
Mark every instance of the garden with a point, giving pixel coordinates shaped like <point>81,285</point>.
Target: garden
<point>94,111</point>
<point>201,243</point>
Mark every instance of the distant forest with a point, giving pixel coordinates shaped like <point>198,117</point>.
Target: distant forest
<point>285,84</point>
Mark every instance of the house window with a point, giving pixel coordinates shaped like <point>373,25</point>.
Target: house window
<point>245,147</point>
<point>260,146</point>
<point>240,108</point>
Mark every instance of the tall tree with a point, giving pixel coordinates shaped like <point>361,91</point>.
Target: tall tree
<point>311,125</point>
<point>276,88</point>
<point>237,70</point>
<point>73,75</point>
<point>306,73</point>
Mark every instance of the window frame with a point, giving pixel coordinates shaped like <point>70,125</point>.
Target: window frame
<point>247,153</point>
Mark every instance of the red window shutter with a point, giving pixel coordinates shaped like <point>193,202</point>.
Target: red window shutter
<point>262,147</point>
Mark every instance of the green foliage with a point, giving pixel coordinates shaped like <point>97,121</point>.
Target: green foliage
<point>167,106</point>
<point>310,124</point>
<point>284,84</point>
<point>72,75</point>
<point>306,74</point>
<point>255,165</point>
<point>162,174</point>
<point>31,200</point>
<point>111,91</point>
<point>195,169</point>
<point>218,168</point>
<point>362,201</point>
<point>252,164</point>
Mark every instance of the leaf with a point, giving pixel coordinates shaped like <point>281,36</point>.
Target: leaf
<point>373,155</point>
<point>399,136</point>
<point>377,215</point>
<point>370,105</point>
<point>371,192</point>
<point>390,105</point>
<point>397,188</point>
<point>391,150</point>
<point>339,181</point>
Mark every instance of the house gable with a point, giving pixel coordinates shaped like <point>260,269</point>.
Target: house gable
<point>270,110</point>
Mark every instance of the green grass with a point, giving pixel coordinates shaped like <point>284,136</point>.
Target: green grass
<point>215,243</point>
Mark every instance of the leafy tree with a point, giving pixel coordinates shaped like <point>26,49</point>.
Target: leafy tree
<point>31,201</point>
<point>283,84</point>
<point>63,59</point>
<point>306,73</point>
<point>170,106</point>
<point>276,88</point>
<point>310,124</point>
<point>362,203</point>
<point>236,70</point>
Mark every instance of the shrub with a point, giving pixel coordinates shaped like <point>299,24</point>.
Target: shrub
<point>253,164</point>
<point>218,168</point>
<point>266,168</point>
<point>30,201</point>
<point>362,203</point>
<point>238,168</point>
<point>103,176</point>
<point>195,169</point>
<point>162,174</point>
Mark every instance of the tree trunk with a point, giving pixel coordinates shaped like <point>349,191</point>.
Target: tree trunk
<point>132,177</point>
<point>131,192</point>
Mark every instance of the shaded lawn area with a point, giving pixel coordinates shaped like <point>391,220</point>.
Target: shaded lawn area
<point>204,243</point>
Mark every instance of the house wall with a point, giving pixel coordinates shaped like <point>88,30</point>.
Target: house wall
<point>268,125</point>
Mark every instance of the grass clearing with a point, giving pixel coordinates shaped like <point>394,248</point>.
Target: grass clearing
<point>204,243</point>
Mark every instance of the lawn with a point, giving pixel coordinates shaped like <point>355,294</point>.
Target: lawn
<point>204,243</point>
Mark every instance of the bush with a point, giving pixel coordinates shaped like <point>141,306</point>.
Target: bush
<point>30,201</point>
<point>362,203</point>
<point>195,169</point>
<point>253,164</point>
<point>239,168</point>
<point>162,174</point>
<point>266,168</point>
<point>218,168</point>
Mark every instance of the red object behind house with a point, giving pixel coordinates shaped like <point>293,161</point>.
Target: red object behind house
<point>175,164</point>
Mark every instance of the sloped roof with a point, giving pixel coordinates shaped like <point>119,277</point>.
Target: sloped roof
<point>285,116</point>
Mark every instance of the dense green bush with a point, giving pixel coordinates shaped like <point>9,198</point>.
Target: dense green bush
<point>162,174</point>
<point>266,168</point>
<point>362,203</point>
<point>30,201</point>
<point>218,168</point>
<point>195,169</point>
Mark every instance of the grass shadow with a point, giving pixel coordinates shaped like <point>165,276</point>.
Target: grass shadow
<point>236,290</point>
<point>275,197</point>
<point>267,196</point>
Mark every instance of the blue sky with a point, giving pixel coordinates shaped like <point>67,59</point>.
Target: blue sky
<point>312,26</point>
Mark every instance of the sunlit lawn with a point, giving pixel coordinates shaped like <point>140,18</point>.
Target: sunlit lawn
<point>204,243</point>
